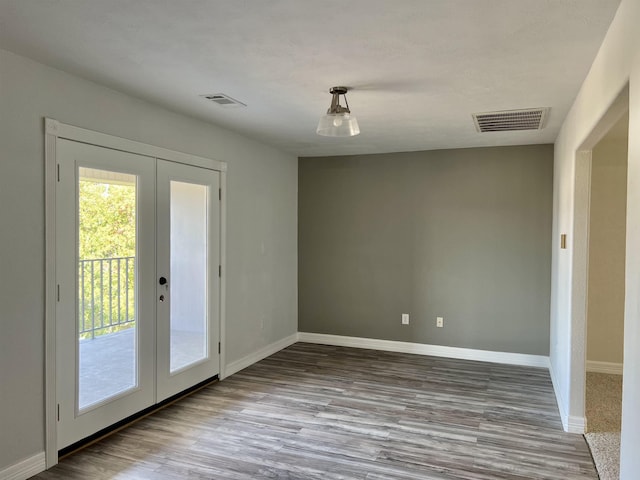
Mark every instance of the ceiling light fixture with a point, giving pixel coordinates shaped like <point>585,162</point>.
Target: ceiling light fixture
<point>338,122</point>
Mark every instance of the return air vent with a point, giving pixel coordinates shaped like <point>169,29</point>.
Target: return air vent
<point>223,100</point>
<point>511,120</point>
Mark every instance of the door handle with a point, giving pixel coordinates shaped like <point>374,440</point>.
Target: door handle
<point>163,282</point>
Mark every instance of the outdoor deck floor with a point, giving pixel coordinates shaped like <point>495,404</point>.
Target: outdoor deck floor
<point>108,363</point>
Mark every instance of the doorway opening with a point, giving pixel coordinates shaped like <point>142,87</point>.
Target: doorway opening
<point>605,297</point>
<point>599,284</point>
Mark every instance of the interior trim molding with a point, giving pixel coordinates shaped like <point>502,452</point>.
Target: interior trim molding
<point>426,349</point>
<point>576,424</point>
<point>244,362</point>
<point>223,277</point>
<point>604,367</point>
<point>50,413</point>
<point>25,469</point>
<point>58,129</point>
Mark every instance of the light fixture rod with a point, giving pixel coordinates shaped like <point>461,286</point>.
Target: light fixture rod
<point>335,103</point>
<point>338,121</point>
<point>335,100</point>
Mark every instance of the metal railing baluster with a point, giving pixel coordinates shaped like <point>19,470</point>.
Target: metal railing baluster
<point>93,304</point>
<point>82,267</point>
<point>127,289</point>
<point>102,293</point>
<point>108,297</point>
<point>119,289</point>
<point>110,293</point>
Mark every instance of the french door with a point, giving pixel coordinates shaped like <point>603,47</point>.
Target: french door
<point>188,288</point>
<point>137,255</point>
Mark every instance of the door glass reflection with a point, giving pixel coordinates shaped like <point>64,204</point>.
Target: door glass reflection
<point>188,279</point>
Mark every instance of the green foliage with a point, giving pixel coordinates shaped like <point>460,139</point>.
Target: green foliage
<point>107,231</point>
<point>107,220</point>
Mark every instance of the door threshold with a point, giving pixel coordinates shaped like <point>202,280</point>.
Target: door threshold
<point>130,420</point>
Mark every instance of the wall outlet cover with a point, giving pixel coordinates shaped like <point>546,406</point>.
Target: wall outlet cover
<point>439,322</point>
<point>405,319</point>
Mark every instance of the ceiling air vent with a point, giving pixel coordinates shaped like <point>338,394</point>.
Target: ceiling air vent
<point>224,100</point>
<point>511,120</point>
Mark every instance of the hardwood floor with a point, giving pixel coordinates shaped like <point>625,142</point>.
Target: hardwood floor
<point>322,412</point>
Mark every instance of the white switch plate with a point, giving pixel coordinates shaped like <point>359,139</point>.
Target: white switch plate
<point>439,322</point>
<point>405,319</point>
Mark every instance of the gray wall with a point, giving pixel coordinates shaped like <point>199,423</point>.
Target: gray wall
<point>607,243</point>
<point>463,234</point>
<point>261,234</point>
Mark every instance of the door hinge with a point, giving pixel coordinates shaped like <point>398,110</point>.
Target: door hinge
<point>219,348</point>
<point>58,171</point>
<point>58,293</point>
<point>220,271</point>
<point>219,194</point>
<point>58,412</point>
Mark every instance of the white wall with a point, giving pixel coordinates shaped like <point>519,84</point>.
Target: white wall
<point>261,233</point>
<point>617,63</point>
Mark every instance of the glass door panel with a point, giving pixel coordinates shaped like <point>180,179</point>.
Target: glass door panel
<point>107,307</point>
<point>189,313</point>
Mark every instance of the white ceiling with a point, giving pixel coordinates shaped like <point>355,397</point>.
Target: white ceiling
<point>418,68</point>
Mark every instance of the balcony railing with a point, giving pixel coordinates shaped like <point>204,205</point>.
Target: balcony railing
<point>106,295</point>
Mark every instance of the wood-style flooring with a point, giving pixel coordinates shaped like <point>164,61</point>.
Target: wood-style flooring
<point>323,412</point>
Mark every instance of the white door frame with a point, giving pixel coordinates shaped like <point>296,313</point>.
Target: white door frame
<point>53,131</point>
<point>577,351</point>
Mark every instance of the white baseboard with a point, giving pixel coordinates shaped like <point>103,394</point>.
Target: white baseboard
<point>236,366</point>
<point>425,349</point>
<point>570,423</point>
<point>562,406</point>
<point>25,469</point>
<point>604,367</point>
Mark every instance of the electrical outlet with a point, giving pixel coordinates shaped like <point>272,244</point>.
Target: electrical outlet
<point>405,319</point>
<point>439,322</point>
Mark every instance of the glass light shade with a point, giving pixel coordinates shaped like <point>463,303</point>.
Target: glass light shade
<point>338,125</point>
